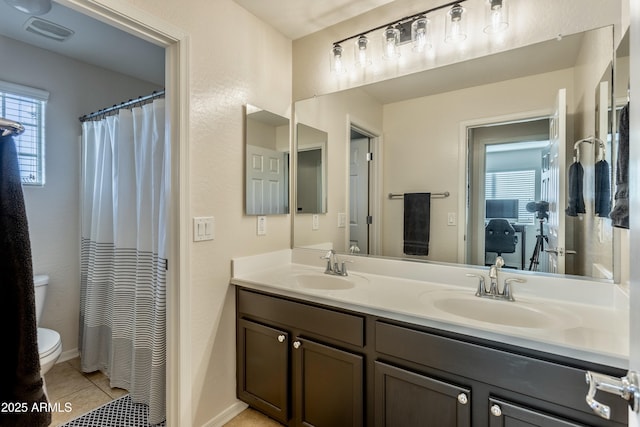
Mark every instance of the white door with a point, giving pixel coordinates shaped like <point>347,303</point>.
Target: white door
<point>266,181</point>
<point>359,195</point>
<point>553,185</point>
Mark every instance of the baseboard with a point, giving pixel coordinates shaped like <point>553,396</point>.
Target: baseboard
<point>225,416</point>
<point>68,355</point>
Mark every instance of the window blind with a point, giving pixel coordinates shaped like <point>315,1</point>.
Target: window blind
<point>27,106</point>
<point>519,185</point>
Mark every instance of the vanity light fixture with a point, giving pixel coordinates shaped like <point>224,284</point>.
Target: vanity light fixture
<point>417,30</point>
<point>497,16</point>
<point>455,25</point>
<point>362,52</point>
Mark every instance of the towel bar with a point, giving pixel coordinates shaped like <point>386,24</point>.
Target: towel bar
<point>401,195</point>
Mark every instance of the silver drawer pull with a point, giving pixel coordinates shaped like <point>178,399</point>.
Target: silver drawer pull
<point>462,399</point>
<point>281,338</point>
<point>625,387</point>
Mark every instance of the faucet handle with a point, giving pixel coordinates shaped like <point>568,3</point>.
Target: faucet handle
<point>329,254</point>
<point>499,262</point>
<point>343,268</point>
<point>507,293</point>
<point>481,286</point>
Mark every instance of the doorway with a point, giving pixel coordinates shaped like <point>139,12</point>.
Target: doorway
<point>506,182</point>
<point>173,41</point>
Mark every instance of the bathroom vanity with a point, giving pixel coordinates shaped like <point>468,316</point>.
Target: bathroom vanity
<point>319,350</point>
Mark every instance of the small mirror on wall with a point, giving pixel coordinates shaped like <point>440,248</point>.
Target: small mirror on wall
<point>267,162</point>
<point>312,176</point>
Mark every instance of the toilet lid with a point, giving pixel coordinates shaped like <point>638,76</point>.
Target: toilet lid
<point>48,341</point>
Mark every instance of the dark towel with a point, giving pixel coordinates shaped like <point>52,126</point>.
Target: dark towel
<point>20,381</point>
<point>576,198</point>
<point>417,207</point>
<point>603,189</point>
<point>620,213</point>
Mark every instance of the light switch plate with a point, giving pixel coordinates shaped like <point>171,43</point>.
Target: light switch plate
<point>342,220</point>
<point>203,228</point>
<point>262,226</point>
<point>451,218</point>
<point>315,222</point>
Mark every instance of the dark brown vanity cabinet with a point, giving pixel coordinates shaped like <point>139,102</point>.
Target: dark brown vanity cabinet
<point>299,363</point>
<point>306,364</point>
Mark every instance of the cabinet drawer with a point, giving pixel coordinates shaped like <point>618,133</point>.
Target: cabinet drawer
<point>504,414</point>
<point>328,323</point>
<point>541,379</point>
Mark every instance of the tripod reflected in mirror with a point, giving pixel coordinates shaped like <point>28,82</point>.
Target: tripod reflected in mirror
<point>541,210</point>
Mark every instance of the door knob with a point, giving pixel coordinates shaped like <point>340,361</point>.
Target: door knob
<point>281,338</point>
<point>297,344</point>
<point>463,399</point>
<point>496,411</point>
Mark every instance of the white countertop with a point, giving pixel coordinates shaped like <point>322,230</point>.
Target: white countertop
<point>594,330</point>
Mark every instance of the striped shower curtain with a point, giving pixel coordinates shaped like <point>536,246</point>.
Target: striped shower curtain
<point>124,194</point>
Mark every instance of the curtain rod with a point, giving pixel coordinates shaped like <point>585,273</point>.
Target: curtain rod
<point>129,103</point>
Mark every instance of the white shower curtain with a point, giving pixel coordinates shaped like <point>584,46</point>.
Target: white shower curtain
<point>125,184</point>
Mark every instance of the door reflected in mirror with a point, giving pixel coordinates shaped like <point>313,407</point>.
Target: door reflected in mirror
<point>312,176</point>
<point>267,162</point>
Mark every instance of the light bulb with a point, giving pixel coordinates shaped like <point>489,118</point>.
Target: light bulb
<point>455,27</point>
<point>497,16</point>
<point>420,34</point>
<point>391,41</point>
<point>361,52</point>
<point>337,64</point>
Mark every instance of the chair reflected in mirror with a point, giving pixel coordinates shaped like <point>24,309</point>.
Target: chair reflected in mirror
<point>500,237</point>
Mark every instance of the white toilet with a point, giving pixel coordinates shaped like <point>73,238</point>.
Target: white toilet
<point>49,343</point>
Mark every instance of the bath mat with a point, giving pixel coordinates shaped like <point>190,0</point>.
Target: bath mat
<point>118,413</point>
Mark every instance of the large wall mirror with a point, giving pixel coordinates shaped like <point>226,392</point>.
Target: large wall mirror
<point>489,138</point>
<point>267,145</point>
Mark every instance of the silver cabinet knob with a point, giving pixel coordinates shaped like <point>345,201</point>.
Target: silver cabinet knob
<point>462,399</point>
<point>496,411</point>
<point>296,344</point>
<point>281,338</point>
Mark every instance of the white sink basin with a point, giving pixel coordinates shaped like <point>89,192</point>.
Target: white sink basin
<point>324,282</point>
<point>518,314</point>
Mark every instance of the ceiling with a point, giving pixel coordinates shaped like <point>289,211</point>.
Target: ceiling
<point>93,42</point>
<point>298,18</point>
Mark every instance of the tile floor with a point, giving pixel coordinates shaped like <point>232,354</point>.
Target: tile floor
<point>66,384</point>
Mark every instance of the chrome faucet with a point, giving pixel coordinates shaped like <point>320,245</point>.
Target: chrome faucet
<point>494,288</point>
<point>334,266</point>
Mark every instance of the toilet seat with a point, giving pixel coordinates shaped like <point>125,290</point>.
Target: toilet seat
<point>48,342</point>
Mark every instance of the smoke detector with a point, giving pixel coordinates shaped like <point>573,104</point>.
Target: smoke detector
<point>47,29</point>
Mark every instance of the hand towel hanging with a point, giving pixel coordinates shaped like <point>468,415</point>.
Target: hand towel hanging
<point>576,198</point>
<point>602,202</point>
<point>417,210</point>
<point>620,213</point>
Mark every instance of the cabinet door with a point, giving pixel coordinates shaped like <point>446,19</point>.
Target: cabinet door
<point>263,368</point>
<point>503,414</point>
<point>328,385</point>
<point>406,399</point>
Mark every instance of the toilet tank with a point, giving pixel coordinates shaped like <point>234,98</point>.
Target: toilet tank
<point>40,283</point>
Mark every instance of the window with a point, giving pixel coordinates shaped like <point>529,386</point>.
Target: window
<point>519,185</point>
<point>27,106</point>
